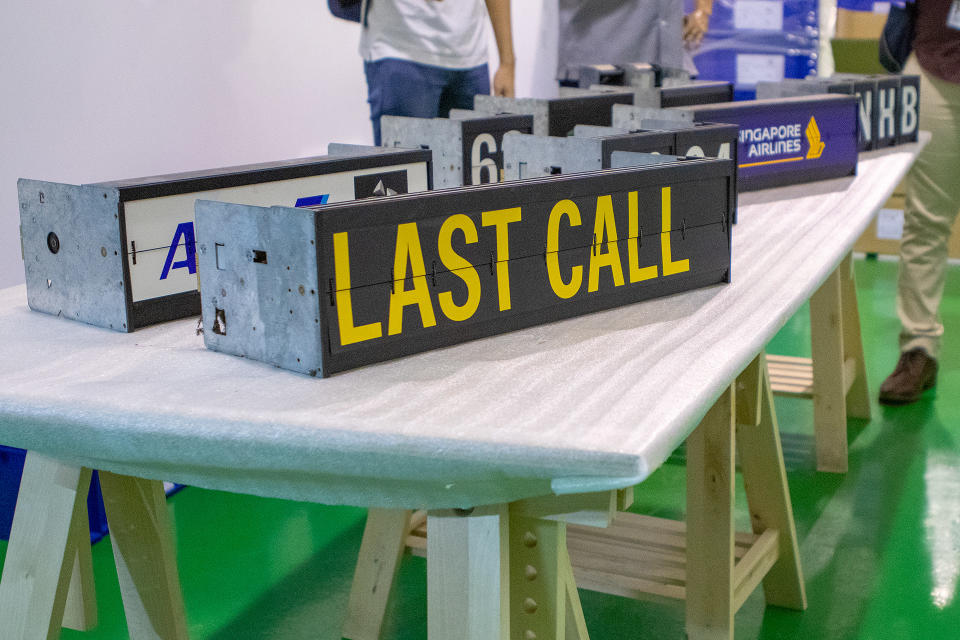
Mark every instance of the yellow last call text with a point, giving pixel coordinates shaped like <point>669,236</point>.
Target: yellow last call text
<point>408,254</point>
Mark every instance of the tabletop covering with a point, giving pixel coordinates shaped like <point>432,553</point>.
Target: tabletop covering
<point>591,403</point>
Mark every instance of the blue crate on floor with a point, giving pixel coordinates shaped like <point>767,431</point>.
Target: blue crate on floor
<point>11,468</point>
<point>95,511</point>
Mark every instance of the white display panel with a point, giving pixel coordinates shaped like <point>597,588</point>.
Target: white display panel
<point>760,67</point>
<point>762,15</point>
<point>153,224</point>
<point>890,224</point>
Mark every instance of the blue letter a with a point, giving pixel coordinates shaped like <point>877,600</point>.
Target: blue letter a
<point>185,231</point>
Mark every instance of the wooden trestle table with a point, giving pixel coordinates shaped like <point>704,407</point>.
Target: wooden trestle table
<point>517,446</point>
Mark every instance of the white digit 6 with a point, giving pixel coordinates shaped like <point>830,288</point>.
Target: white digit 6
<point>478,164</point>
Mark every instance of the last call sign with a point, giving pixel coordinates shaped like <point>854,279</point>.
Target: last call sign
<point>482,261</point>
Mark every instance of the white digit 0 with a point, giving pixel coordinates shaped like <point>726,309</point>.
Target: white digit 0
<point>697,152</point>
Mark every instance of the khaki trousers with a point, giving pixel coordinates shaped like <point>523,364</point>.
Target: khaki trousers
<point>933,199</point>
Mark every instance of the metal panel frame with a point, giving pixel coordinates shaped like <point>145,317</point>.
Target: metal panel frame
<point>85,279</point>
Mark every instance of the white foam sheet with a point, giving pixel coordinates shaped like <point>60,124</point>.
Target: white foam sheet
<point>592,403</point>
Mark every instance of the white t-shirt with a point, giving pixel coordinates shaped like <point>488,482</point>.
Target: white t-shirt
<point>442,33</point>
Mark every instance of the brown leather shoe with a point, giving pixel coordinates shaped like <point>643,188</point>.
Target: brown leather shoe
<point>915,373</point>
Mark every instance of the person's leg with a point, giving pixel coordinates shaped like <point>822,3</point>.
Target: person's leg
<point>933,199</point>
<point>461,86</point>
<point>402,88</point>
<point>932,203</point>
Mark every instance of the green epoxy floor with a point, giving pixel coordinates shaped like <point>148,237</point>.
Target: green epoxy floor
<point>880,545</point>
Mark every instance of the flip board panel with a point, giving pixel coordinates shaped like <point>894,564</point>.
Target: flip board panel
<point>356,283</point>
<point>122,255</point>
<point>789,140</point>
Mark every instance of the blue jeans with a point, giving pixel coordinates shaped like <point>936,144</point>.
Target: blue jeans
<point>404,88</point>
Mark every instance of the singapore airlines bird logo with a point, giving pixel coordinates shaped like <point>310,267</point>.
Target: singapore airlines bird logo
<point>813,137</point>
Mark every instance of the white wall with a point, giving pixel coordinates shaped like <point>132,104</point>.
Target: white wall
<point>104,90</point>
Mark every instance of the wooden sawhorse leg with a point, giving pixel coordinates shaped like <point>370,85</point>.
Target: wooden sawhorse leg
<point>503,571</point>
<point>768,496</point>
<point>544,602</point>
<point>710,532</point>
<point>835,376</point>
<point>46,552</point>
<point>717,584</point>
<point>142,542</point>
<point>491,570</point>
<point>42,549</point>
<point>80,612</point>
<point>468,578</point>
<point>384,540</point>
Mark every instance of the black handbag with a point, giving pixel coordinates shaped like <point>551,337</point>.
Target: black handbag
<point>896,41</point>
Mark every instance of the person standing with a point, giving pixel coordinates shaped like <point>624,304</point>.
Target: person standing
<point>617,31</point>
<point>425,57</point>
<point>932,202</point>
